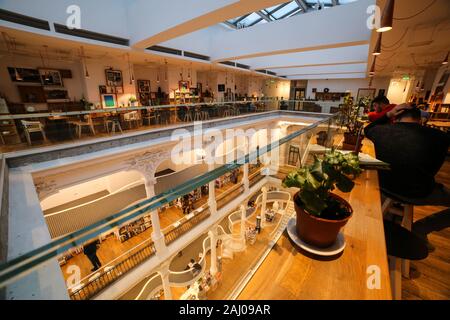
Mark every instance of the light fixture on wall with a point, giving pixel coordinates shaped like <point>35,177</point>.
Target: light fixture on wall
<point>377,50</point>
<point>372,69</point>
<point>130,69</point>
<point>387,17</point>
<point>166,70</point>
<point>83,57</point>
<point>445,60</point>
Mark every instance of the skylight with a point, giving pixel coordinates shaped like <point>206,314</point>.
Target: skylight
<point>282,11</point>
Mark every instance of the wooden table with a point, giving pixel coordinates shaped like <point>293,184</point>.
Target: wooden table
<point>289,274</point>
<point>439,124</point>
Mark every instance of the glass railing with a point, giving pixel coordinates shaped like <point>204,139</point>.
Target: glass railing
<point>32,261</point>
<point>29,128</point>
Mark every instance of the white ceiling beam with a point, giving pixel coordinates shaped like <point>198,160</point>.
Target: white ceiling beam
<point>328,76</point>
<point>343,26</point>
<point>154,22</point>
<point>326,69</point>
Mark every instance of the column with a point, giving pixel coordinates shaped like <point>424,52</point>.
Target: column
<point>263,205</point>
<point>213,238</point>
<point>212,193</point>
<point>245,168</point>
<point>164,272</point>
<point>157,235</point>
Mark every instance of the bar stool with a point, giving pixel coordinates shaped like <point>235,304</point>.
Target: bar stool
<point>198,116</point>
<point>401,245</point>
<point>188,115</point>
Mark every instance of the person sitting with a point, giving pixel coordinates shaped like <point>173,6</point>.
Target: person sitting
<point>381,106</point>
<point>415,154</point>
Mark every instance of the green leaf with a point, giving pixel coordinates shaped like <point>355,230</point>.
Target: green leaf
<point>313,203</point>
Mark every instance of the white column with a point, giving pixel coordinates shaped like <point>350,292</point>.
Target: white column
<point>245,168</point>
<point>243,220</point>
<point>212,193</point>
<point>165,282</point>
<point>263,205</point>
<point>157,235</point>
<point>213,238</point>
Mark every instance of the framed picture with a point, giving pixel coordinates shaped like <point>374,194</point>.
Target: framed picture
<point>102,89</point>
<point>24,75</point>
<point>143,85</point>
<point>114,78</point>
<point>109,101</point>
<point>50,77</point>
<point>365,92</point>
<point>183,86</point>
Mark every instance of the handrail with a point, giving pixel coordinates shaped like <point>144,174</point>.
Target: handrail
<point>26,263</point>
<point>146,284</point>
<point>127,109</point>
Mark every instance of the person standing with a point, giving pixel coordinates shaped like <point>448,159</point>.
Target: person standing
<point>90,250</point>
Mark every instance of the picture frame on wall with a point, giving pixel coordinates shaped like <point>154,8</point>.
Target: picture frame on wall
<point>183,86</point>
<point>50,77</point>
<point>365,92</point>
<point>102,89</point>
<point>25,75</point>
<point>143,85</point>
<point>109,101</point>
<point>114,78</point>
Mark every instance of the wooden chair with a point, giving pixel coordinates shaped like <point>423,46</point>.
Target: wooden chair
<point>79,125</point>
<point>150,115</point>
<point>33,126</point>
<point>132,117</point>
<point>114,121</point>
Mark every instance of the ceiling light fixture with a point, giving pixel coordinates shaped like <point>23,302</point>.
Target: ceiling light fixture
<point>377,50</point>
<point>388,17</point>
<point>445,60</point>
<point>86,72</point>
<point>372,69</point>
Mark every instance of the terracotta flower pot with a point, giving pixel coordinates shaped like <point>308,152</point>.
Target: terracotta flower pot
<point>317,231</point>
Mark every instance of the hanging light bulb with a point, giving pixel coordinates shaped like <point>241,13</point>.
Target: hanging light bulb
<point>17,75</point>
<point>372,69</point>
<point>165,71</point>
<point>388,17</point>
<point>377,50</point>
<point>445,60</point>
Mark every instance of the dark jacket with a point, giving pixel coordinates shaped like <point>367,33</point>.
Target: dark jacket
<point>415,153</point>
<point>91,248</point>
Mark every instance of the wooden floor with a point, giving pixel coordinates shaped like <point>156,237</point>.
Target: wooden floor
<point>430,278</point>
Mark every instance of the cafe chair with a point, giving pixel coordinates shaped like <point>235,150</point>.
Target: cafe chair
<point>33,126</point>
<point>150,115</point>
<point>114,123</point>
<point>132,118</point>
<point>188,115</point>
<point>79,125</point>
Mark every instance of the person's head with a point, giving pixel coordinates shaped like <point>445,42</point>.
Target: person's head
<point>412,115</point>
<point>379,103</point>
<point>192,261</point>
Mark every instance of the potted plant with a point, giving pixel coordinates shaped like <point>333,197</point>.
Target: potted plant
<point>133,101</point>
<point>349,117</point>
<point>320,213</point>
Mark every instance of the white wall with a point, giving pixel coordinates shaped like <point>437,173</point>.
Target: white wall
<point>400,90</point>
<point>9,88</point>
<point>277,88</point>
<point>96,69</point>
<point>344,85</point>
<point>111,183</point>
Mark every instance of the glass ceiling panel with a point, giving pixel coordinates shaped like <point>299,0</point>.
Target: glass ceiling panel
<point>250,19</point>
<point>281,11</point>
<point>291,6</point>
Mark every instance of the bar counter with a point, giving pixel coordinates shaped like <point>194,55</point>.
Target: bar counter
<point>289,274</point>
